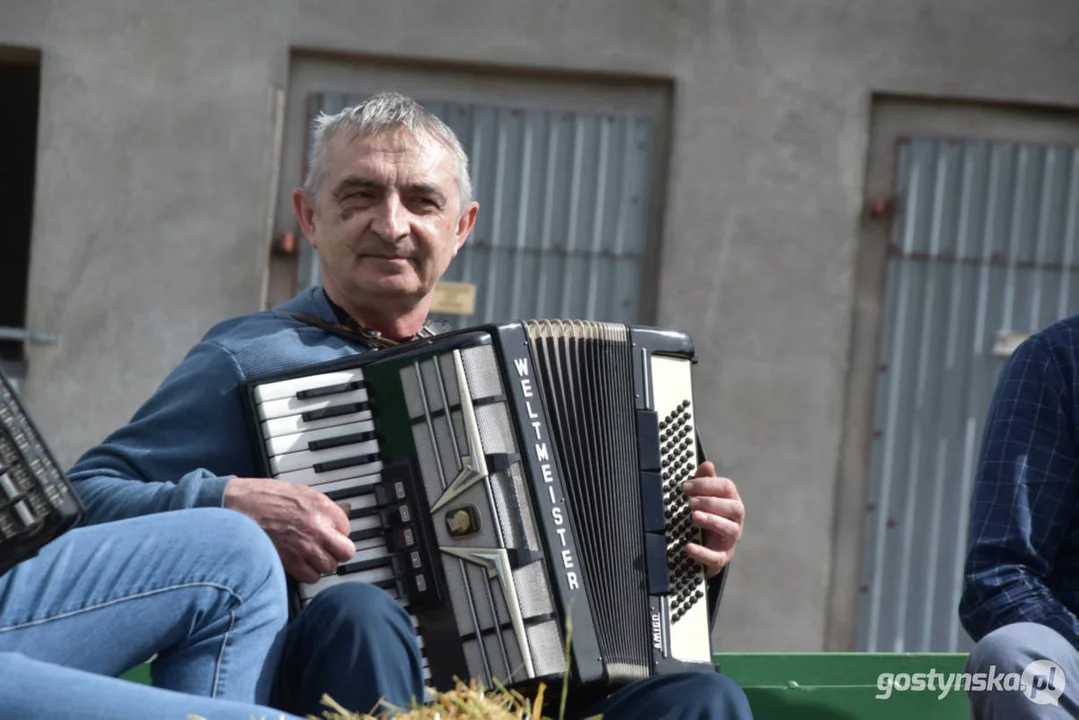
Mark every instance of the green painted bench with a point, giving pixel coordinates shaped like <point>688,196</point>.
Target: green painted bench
<point>844,686</point>
<point>827,686</point>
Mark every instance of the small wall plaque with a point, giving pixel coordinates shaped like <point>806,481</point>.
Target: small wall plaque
<point>454,298</point>
<point>1008,341</point>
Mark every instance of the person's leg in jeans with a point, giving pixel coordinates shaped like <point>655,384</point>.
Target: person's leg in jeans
<point>35,689</point>
<point>682,696</point>
<point>203,589</point>
<point>1012,649</point>
<point>356,644</point>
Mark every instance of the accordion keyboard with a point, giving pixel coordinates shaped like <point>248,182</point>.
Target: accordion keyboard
<point>687,602</point>
<point>319,431</point>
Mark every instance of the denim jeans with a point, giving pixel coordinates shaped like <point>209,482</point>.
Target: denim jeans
<point>202,589</point>
<point>356,644</point>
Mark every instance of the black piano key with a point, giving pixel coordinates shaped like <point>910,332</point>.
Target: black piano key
<point>390,491</point>
<point>369,534</point>
<point>350,439</point>
<point>357,513</point>
<point>334,411</point>
<point>329,390</point>
<point>361,565</point>
<point>344,463</point>
<point>351,492</point>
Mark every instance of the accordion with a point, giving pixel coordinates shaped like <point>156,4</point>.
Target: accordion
<point>37,503</point>
<point>517,488</point>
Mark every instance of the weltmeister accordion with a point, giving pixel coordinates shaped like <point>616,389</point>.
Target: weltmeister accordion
<point>37,503</point>
<point>507,483</point>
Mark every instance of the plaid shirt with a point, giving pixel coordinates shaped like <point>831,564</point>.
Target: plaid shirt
<point>1023,553</point>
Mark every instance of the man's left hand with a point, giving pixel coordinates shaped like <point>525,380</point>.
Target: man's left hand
<point>717,510</point>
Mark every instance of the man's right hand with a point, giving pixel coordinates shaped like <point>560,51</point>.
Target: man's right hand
<point>308,529</point>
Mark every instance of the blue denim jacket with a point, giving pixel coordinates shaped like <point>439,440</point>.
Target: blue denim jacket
<point>198,412</point>
<point>1023,551</point>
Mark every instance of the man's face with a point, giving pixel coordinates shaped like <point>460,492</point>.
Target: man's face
<point>388,220</point>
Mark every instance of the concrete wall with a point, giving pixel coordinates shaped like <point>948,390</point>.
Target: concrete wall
<point>155,179</point>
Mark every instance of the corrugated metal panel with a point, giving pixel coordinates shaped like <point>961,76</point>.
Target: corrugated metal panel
<point>984,241</point>
<point>563,198</point>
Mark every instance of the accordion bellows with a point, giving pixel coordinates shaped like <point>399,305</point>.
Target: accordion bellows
<point>507,483</point>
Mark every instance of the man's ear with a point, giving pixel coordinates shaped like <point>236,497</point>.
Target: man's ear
<point>305,213</point>
<point>465,224</point>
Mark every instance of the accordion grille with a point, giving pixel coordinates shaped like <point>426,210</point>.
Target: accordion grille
<point>495,429</point>
<point>587,372</point>
<point>547,651</point>
<point>510,500</point>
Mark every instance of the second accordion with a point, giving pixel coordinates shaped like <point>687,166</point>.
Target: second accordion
<point>37,501</point>
<point>507,483</point>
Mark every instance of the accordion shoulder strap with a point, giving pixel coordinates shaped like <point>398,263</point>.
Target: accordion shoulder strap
<point>357,333</point>
<point>332,328</point>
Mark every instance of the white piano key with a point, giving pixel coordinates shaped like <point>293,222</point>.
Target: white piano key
<point>368,576</point>
<point>310,590</point>
<point>298,441</point>
<point>374,553</point>
<point>370,543</point>
<point>289,388</point>
<point>365,523</point>
<point>295,406</point>
<point>308,476</point>
<point>291,424</point>
<point>308,458</point>
<point>359,502</point>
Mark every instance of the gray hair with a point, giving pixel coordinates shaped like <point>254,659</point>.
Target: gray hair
<point>384,111</point>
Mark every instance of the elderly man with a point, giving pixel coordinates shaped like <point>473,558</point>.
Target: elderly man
<point>387,204</point>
